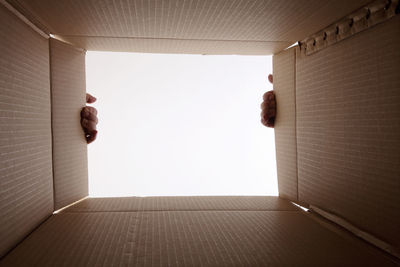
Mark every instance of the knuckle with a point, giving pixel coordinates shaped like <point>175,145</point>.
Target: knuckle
<point>262,105</point>
<point>92,126</point>
<point>95,119</point>
<point>84,123</point>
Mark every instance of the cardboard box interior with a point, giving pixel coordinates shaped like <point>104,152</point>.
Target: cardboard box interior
<point>337,135</point>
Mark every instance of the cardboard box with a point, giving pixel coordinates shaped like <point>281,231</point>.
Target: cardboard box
<point>337,136</point>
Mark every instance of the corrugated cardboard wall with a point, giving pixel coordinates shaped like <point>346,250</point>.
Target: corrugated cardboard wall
<point>26,183</point>
<point>348,129</point>
<point>186,26</point>
<point>157,232</point>
<point>285,123</point>
<point>68,89</point>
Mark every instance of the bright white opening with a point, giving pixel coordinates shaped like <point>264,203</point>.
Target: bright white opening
<point>180,125</point>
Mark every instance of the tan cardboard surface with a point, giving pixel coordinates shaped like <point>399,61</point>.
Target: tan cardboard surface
<point>376,12</point>
<point>348,126</point>
<point>182,204</point>
<point>68,91</point>
<point>26,184</point>
<point>285,123</point>
<point>183,238</point>
<point>178,25</point>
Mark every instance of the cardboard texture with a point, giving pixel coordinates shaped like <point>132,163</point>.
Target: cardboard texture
<point>26,183</point>
<point>348,124</point>
<point>284,66</point>
<point>68,95</point>
<point>337,135</point>
<point>213,203</point>
<point>190,238</point>
<point>194,26</point>
<point>362,19</point>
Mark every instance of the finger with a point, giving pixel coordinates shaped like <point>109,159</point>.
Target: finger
<point>268,113</point>
<point>271,122</point>
<point>267,105</point>
<point>271,78</point>
<point>90,99</point>
<point>87,109</point>
<point>267,118</point>
<point>263,122</point>
<point>264,105</point>
<point>89,116</point>
<point>91,137</point>
<point>272,113</point>
<point>265,115</point>
<point>267,95</point>
<point>92,117</point>
<point>88,125</point>
<point>271,105</point>
<point>268,123</point>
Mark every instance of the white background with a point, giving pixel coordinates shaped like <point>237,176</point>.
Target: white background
<point>180,125</point>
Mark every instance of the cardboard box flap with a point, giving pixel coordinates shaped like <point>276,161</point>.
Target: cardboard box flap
<point>190,238</point>
<point>193,203</point>
<point>195,26</point>
<point>348,128</point>
<point>26,183</point>
<point>284,65</point>
<point>68,94</point>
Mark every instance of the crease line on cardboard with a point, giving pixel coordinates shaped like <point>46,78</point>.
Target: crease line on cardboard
<point>356,231</point>
<point>11,248</point>
<point>295,119</point>
<point>51,125</point>
<point>23,18</point>
<point>170,39</point>
<point>172,210</point>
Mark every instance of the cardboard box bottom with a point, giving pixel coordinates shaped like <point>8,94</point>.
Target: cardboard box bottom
<point>186,238</point>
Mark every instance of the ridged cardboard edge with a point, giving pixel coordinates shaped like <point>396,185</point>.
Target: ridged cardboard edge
<point>68,89</point>
<point>284,68</point>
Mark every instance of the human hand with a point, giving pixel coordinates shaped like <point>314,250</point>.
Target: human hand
<point>89,119</point>
<point>268,107</point>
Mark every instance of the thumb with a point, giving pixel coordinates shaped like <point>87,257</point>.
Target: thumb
<point>90,99</point>
<point>271,78</point>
